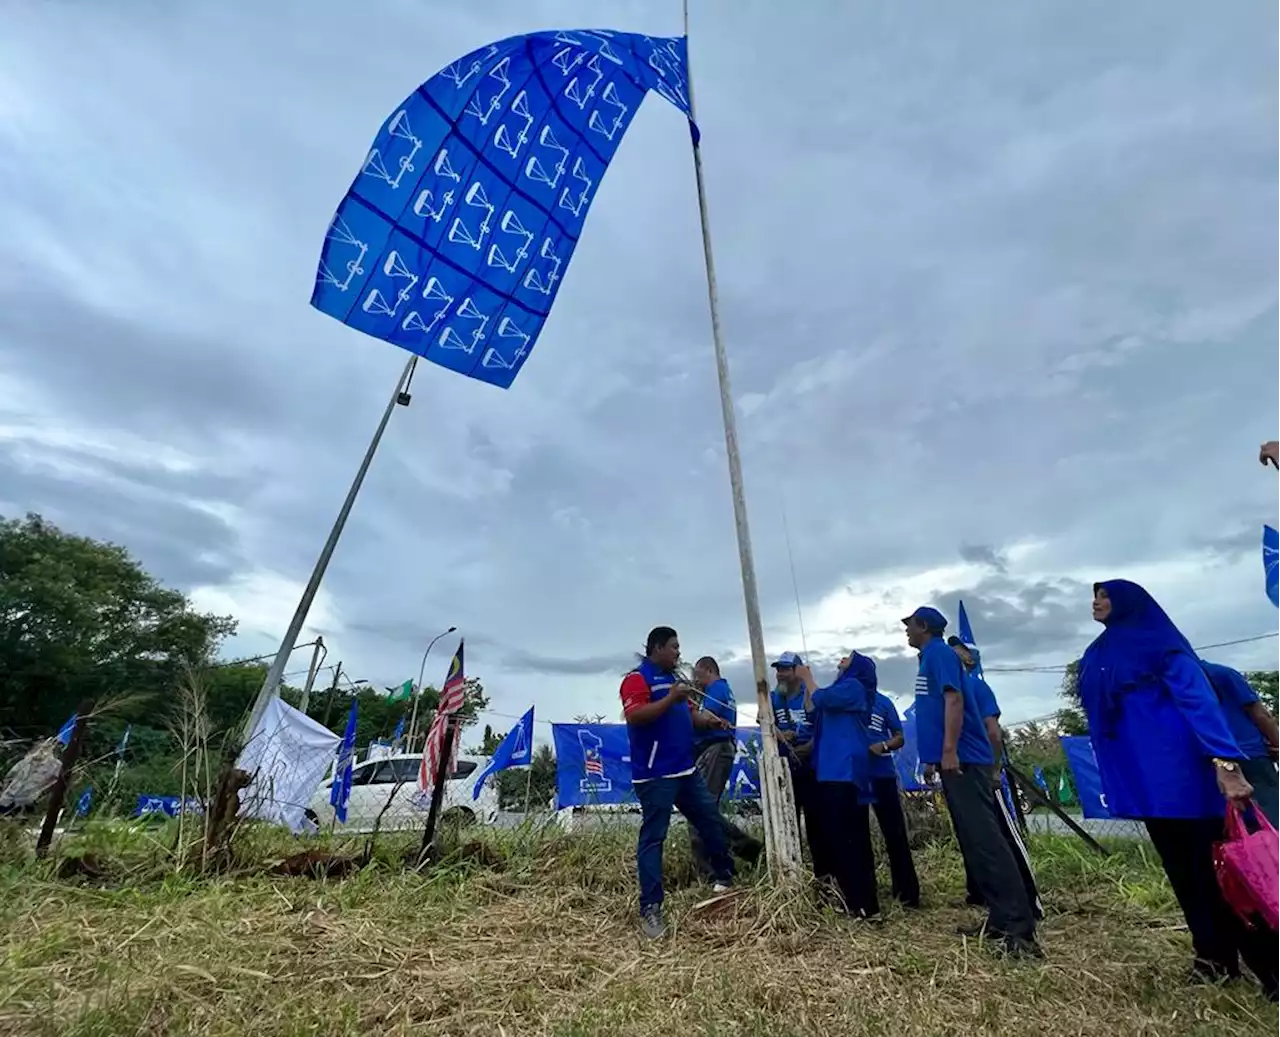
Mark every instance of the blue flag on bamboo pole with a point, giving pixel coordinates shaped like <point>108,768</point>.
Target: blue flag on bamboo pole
<point>340,790</point>
<point>456,233</point>
<point>1271,563</point>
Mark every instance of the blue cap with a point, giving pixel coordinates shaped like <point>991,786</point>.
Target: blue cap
<point>932,619</point>
<point>787,659</point>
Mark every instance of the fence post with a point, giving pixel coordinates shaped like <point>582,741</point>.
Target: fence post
<point>58,793</point>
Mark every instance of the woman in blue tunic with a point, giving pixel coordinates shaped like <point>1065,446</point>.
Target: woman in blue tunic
<point>1167,757</point>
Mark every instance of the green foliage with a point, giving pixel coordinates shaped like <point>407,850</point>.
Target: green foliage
<point>1264,683</point>
<point>541,784</point>
<point>81,621</point>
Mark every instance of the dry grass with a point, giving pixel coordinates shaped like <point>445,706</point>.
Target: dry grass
<point>528,933</point>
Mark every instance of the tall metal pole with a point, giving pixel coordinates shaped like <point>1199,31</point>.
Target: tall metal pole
<point>782,834</point>
<point>311,674</point>
<point>271,685</point>
<point>417,692</point>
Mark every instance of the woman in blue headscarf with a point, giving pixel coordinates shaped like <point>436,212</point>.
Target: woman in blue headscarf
<point>1166,757</point>
<point>842,769</point>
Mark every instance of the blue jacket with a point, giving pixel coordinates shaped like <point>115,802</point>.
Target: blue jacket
<point>718,700</point>
<point>664,747</point>
<point>842,744</point>
<point>1154,719</point>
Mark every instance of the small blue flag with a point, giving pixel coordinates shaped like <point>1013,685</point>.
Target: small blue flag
<point>84,802</point>
<point>124,740</point>
<point>966,631</point>
<point>340,791</point>
<point>64,732</point>
<point>398,733</point>
<point>1041,780</point>
<point>1271,563</point>
<point>516,750</point>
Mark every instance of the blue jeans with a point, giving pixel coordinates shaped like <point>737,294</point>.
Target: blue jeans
<point>690,796</point>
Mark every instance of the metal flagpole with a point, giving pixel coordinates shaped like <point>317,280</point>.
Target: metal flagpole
<point>777,800</point>
<point>271,685</point>
<point>795,585</point>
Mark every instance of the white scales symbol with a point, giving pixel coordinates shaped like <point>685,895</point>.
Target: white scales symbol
<point>432,291</point>
<point>535,170</point>
<point>580,95</point>
<point>426,197</point>
<point>508,329</point>
<point>397,129</point>
<point>395,269</point>
<point>477,198</point>
<point>341,234</point>
<point>580,174</point>
<point>454,71</point>
<point>510,224</point>
<point>482,111</point>
<point>502,136</point>
<point>534,281</point>
<point>666,62</point>
<point>466,311</point>
<point>597,122</point>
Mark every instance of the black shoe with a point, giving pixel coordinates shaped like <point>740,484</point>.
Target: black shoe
<point>1021,947</point>
<point>1203,971</point>
<point>981,931</point>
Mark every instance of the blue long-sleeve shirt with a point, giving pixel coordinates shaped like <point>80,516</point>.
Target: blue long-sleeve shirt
<point>1155,749</point>
<point>842,744</point>
<point>717,699</point>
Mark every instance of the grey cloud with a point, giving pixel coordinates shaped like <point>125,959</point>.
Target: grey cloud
<point>985,554</point>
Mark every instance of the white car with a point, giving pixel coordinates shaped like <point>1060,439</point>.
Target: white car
<point>388,788</point>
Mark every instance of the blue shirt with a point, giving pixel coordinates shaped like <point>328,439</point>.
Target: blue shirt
<point>884,724</point>
<point>983,695</point>
<point>1235,694</point>
<point>717,698</point>
<point>841,748</point>
<point>941,668</point>
<point>789,715</point>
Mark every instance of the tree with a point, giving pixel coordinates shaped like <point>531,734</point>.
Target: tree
<point>82,621</point>
<point>1264,683</point>
<point>539,780</point>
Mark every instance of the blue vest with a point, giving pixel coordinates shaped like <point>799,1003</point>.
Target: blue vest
<point>665,746</point>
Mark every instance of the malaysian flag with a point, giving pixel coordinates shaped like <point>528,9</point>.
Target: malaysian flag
<point>451,696</point>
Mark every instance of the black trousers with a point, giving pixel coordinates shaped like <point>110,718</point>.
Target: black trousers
<point>714,763</point>
<point>1009,827</point>
<point>841,845</point>
<point>986,851</point>
<point>893,826</point>
<point>1219,938</point>
<point>805,787</point>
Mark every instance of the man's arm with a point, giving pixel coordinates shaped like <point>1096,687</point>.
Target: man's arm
<point>995,737</point>
<point>889,745</point>
<point>1265,723</point>
<point>636,707</point>
<point>953,723</point>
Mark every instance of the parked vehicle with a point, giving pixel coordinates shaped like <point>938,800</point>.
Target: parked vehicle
<point>387,788</point>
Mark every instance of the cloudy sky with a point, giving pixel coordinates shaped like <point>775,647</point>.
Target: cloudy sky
<point>998,285</point>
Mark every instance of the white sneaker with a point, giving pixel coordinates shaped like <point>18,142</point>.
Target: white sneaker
<point>721,887</point>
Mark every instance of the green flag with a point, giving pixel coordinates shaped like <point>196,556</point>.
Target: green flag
<point>1064,790</point>
<point>405,691</point>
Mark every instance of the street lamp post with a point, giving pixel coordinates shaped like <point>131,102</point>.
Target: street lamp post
<point>417,692</point>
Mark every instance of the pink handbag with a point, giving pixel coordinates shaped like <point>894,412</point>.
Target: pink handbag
<point>1248,868</point>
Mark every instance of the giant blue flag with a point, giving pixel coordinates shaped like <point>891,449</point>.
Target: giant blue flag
<point>515,750</point>
<point>1271,563</point>
<point>340,790</point>
<point>455,235</point>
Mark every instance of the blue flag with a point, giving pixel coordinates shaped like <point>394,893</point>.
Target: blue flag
<point>1084,768</point>
<point>515,750</point>
<point>84,802</point>
<point>456,233</point>
<point>1041,780</point>
<point>398,733</point>
<point>340,790</point>
<point>64,732</point>
<point>1271,563</point>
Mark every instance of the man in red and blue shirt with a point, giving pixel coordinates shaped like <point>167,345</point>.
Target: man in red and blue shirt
<point>660,726</point>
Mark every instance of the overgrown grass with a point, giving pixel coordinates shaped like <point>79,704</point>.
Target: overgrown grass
<point>533,932</point>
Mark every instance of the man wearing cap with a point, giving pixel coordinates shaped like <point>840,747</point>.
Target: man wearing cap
<point>795,736</point>
<point>989,709</point>
<point>953,741</point>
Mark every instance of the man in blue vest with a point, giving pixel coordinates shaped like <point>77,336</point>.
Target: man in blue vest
<point>953,741</point>
<point>715,746</point>
<point>794,727</point>
<point>660,725</point>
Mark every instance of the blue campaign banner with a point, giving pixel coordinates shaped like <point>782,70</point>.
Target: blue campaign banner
<point>1084,769</point>
<point>593,765</point>
<point>168,806</point>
